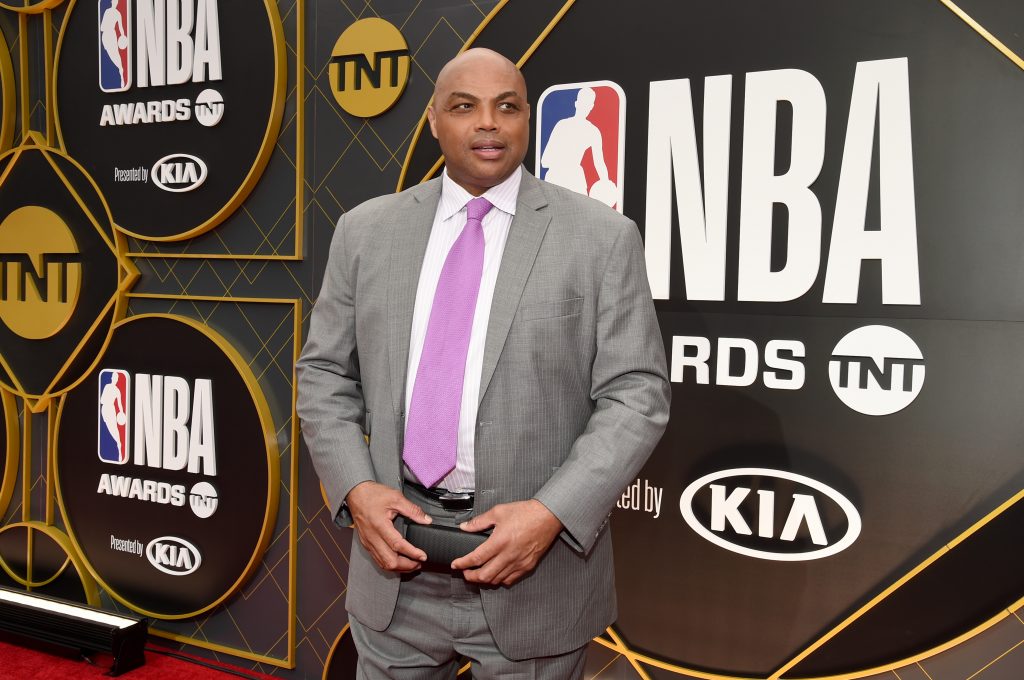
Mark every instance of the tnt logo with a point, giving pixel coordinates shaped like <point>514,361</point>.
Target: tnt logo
<point>581,137</point>
<point>209,107</point>
<point>114,389</point>
<point>114,22</point>
<point>203,499</point>
<point>877,370</point>
<point>369,67</point>
<point>40,272</point>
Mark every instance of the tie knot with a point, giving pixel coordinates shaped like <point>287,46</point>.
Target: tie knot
<point>477,208</point>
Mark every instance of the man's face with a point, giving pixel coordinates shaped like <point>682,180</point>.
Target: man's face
<point>481,119</point>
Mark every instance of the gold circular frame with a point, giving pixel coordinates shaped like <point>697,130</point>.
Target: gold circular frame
<point>37,8</point>
<point>73,558</point>
<point>10,470</point>
<point>262,156</point>
<point>273,473</point>
<point>8,85</point>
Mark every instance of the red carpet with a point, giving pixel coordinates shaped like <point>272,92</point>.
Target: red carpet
<point>26,660</point>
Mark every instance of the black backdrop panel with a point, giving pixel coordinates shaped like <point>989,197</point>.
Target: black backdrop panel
<point>768,431</point>
<point>919,475</point>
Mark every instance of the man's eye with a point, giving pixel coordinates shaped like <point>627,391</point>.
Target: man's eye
<point>507,106</point>
<point>464,106</point>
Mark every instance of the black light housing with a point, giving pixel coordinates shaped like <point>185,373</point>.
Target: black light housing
<point>73,625</point>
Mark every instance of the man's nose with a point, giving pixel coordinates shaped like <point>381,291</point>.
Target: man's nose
<point>487,119</point>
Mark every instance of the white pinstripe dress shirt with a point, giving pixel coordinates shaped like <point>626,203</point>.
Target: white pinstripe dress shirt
<point>449,220</point>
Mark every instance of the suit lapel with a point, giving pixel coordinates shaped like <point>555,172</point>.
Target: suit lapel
<point>525,236</point>
<point>410,234</point>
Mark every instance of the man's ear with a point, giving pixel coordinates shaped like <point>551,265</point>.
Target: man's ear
<point>431,118</point>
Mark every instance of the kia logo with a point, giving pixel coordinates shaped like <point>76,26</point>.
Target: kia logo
<point>770,514</point>
<point>173,555</point>
<point>179,172</point>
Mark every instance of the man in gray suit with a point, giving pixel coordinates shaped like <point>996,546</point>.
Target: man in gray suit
<point>484,354</point>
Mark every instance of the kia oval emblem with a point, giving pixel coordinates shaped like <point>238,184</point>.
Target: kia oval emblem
<point>179,172</point>
<point>803,513</point>
<point>173,555</point>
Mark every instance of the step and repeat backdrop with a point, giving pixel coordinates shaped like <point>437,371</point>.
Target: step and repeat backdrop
<point>830,199</point>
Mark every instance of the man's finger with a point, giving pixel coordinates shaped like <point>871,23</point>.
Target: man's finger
<point>399,564</point>
<point>486,574</point>
<point>480,555</point>
<point>404,547</point>
<point>388,548</point>
<point>405,507</point>
<point>394,560</point>
<point>395,543</point>
<point>512,578</point>
<point>511,571</point>
<point>480,522</point>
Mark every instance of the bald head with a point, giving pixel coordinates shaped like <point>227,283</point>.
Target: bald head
<point>481,118</point>
<point>478,60</point>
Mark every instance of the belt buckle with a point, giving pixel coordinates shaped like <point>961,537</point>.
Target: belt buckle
<point>456,500</point>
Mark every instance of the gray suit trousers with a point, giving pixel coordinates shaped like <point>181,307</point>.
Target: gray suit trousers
<point>439,618</point>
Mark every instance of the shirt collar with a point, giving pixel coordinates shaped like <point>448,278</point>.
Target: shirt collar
<point>502,196</point>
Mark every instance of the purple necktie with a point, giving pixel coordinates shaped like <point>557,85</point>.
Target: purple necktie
<point>432,428</point>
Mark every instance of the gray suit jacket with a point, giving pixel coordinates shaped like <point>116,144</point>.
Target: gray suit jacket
<point>574,392</point>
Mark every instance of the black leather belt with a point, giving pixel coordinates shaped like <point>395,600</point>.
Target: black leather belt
<point>449,500</point>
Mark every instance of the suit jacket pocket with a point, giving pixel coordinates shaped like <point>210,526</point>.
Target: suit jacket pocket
<point>551,310</point>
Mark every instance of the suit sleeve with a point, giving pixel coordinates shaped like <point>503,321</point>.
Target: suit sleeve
<point>330,396</point>
<point>630,391</point>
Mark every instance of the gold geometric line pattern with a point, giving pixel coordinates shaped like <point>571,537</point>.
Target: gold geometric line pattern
<point>48,69</point>
<point>26,461</point>
<point>995,42</point>
<point>980,30</point>
<point>993,662</point>
<point>519,63</point>
<point>423,117</point>
<point>296,208</point>
<point>619,646</point>
<point>198,638</point>
<point>26,123</point>
<point>778,674</point>
<point>944,550</point>
<point>185,280</point>
<point>10,374</point>
<point>51,435</point>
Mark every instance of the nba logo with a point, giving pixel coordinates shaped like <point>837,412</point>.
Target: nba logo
<point>581,139</point>
<point>113,416</point>
<point>114,18</point>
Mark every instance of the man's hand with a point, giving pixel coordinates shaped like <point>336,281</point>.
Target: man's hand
<point>374,508</point>
<point>523,532</point>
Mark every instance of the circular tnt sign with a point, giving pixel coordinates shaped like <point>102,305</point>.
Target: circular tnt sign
<point>62,269</point>
<point>44,314</point>
<point>174,107</point>
<point>167,468</point>
<point>369,67</point>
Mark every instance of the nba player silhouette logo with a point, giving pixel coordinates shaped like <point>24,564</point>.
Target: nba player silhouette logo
<point>114,20</point>
<point>113,415</point>
<point>581,137</point>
